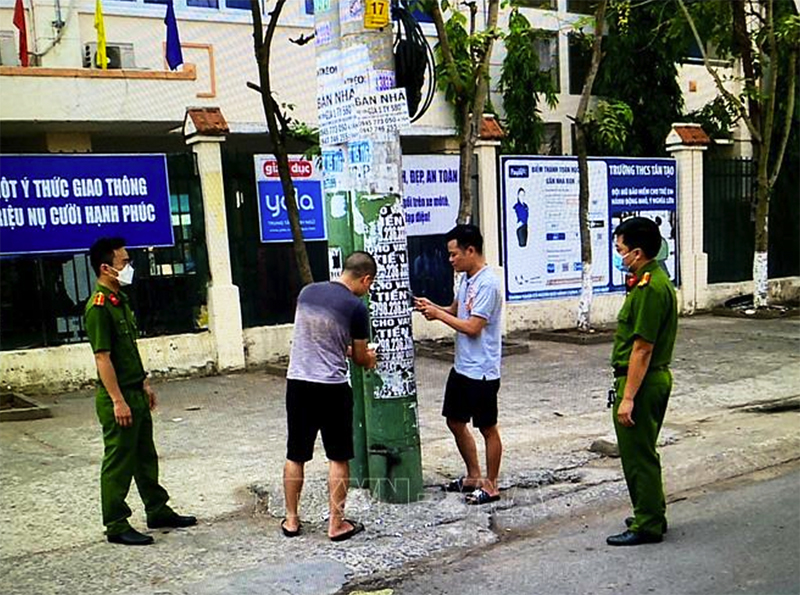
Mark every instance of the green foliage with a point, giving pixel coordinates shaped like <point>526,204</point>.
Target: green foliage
<point>300,131</point>
<point>609,125</point>
<point>460,84</point>
<point>714,22</point>
<point>521,83</point>
<point>308,135</point>
<point>717,118</point>
<point>639,69</point>
<point>787,30</point>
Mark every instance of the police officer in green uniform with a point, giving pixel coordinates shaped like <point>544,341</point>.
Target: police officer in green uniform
<point>124,399</point>
<point>643,344</point>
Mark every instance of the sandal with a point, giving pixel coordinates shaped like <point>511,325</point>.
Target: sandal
<point>457,485</point>
<point>357,528</point>
<point>481,496</point>
<point>288,532</point>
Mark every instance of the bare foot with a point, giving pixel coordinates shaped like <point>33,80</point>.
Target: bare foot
<point>346,529</point>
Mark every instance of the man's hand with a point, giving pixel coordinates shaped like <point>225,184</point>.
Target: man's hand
<point>428,309</point>
<point>625,413</point>
<point>373,359</point>
<point>151,395</point>
<point>421,302</point>
<point>122,413</point>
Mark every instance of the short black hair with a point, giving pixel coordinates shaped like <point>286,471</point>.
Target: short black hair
<point>642,233</point>
<point>466,235</point>
<point>360,264</point>
<point>102,252</point>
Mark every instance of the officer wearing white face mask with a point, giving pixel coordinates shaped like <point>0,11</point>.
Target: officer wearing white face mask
<point>123,402</point>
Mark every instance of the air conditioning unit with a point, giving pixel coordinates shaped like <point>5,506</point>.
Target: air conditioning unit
<point>9,55</point>
<point>118,55</point>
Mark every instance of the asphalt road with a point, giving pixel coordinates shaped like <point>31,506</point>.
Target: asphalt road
<point>738,537</point>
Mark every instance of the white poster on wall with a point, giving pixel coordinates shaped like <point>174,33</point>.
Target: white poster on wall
<point>430,193</point>
<point>540,219</point>
<point>543,246</point>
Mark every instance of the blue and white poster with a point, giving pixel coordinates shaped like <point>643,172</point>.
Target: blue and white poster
<point>540,219</point>
<point>273,218</point>
<point>63,203</point>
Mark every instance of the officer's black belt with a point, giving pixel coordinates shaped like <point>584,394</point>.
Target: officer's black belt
<point>620,371</point>
<point>135,386</point>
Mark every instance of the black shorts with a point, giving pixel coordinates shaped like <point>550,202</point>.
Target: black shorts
<point>313,407</point>
<point>465,399</point>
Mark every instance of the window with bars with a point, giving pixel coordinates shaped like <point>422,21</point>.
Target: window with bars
<point>212,4</point>
<point>582,6</point>
<point>580,60</point>
<point>546,45</point>
<point>551,140</point>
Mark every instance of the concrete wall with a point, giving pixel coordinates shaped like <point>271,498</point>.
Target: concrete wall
<point>58,369</point>
<point>786,289</point>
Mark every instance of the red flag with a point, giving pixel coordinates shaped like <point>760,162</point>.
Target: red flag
<point>19,23</point>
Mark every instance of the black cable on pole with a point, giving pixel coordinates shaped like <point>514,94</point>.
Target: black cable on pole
<point>414,61</point>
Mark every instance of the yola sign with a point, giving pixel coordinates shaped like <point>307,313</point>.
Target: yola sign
<point>276,204</point>
<point>273,219</point>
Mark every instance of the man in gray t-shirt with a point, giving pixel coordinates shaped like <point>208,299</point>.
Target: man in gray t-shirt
<point>474,381</point>
<point>331,322</point>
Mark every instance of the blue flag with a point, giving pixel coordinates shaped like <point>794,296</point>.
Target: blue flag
<point>174,54</point>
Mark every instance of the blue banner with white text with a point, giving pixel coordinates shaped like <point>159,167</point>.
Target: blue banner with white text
<point>63,203</point>
<point>273,218</point>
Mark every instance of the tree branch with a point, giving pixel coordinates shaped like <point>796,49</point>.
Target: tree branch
<point>787,125</point>
<point>740,108</point>
<point>273,22</point>
<point>258,28</point>
<point>302,40</point>
<point>444,44</point>
<point>597,42</point>
<point>473,13</point>
<point>482,74</point>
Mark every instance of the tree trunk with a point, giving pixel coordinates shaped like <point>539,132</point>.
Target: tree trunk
<point>585,303</point>
<point>277,134</point>
<point>765,119</point>
<point>465,150</point>
<point>472,115</point>
<point>298,243</point>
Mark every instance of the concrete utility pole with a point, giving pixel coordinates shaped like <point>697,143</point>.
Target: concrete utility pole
<point>360,115</point>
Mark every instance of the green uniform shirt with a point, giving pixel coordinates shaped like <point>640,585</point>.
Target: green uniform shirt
<point>111,326</point>
<point>650,311</point>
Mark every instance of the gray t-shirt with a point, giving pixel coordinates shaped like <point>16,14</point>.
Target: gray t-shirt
<point>480,295</point>
<point>328,318</point>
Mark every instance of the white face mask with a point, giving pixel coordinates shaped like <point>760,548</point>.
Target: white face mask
<point>125,276</point>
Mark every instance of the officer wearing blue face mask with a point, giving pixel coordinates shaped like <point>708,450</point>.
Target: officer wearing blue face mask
<point>123,402</point>
<point>643,343</point>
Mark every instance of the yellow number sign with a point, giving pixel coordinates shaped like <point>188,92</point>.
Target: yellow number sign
<point>376,14</point>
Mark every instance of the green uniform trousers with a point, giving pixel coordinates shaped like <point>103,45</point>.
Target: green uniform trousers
<point>637,448</point>
<point>129,454</point>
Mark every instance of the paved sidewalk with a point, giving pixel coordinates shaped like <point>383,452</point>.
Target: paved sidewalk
<point>221,442</point>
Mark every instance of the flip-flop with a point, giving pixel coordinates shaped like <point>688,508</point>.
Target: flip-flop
<point>457,485</point>
<point>357,528</point>
<point>480,496</point>
<point>287,532</point>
